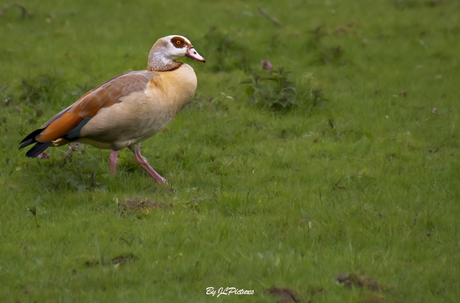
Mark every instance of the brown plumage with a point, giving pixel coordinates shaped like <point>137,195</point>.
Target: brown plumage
<point>127,109</point>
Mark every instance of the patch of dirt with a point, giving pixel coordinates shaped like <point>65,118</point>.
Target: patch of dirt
<point>285,294</point>
<point>434,149</point>
<point>134,204</point>
<point>338,187</point>
<point>91,263</point>
<point>357,281</point>
<point>121,259</point>
<point>124,258</point>
<point>375,298</point>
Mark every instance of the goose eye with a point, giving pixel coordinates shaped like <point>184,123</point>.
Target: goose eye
<point>178,42</point>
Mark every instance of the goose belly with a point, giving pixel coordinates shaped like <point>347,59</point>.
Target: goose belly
<point>129,122</point>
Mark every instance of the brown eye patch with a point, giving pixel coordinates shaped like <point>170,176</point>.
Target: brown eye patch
<point>178,42</point>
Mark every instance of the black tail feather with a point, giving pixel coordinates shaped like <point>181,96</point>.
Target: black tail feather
<point>30,139</point>
<point>25,143</point>
<point>38,148</point>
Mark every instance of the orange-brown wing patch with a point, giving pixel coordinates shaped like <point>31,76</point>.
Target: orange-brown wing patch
<point>59,128</point>
<point>89,104</point>
<point>101,98</point>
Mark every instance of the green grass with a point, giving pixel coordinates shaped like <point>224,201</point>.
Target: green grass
<point>376,169</point>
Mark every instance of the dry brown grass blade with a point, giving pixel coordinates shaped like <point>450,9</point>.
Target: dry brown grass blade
<point>269,17</point>
<point>25,12</point>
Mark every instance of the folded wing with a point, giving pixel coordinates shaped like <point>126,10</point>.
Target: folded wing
<point>77,115</point>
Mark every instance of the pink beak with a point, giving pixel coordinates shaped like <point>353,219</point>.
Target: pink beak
<point>192,53</point>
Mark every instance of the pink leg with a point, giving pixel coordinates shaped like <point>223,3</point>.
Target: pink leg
<point>113,159</point>
<point>144,164</point>
<point>136,149</point>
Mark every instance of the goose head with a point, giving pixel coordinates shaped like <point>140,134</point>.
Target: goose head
<point>167,50</point>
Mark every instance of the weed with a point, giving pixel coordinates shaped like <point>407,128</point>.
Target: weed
<point>324,54</point>
<point>271,88</point>
<point>275,89</point>
<point>79,162</point>
<point>137,206</point>
<point>40,89</point>
<point>33,210</point>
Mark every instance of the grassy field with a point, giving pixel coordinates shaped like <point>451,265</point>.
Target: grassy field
<point>349,195</point>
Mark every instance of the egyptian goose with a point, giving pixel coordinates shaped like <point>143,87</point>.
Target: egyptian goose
<point>127,109</point>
